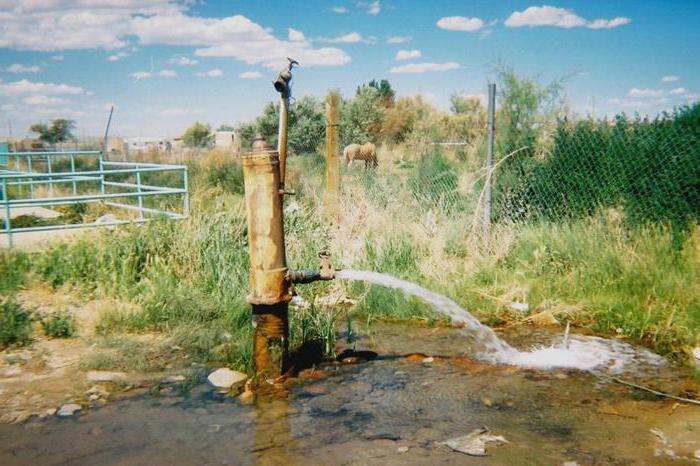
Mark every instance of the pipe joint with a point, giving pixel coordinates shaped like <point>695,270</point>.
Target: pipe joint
<point>324,272</point>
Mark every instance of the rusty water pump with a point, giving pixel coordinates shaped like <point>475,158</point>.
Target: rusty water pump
<point>271,282</point>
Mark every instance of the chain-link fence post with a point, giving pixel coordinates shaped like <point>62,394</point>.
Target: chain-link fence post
<point>332,194</point>
<point>489,162</point>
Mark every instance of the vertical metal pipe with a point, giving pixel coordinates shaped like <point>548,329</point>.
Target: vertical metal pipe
<point>8,220</point>
<point>72,169</point>
<point>282,138</point>
<point>186,196</point>
<point>29,168</point>
<point>332,195</point>
<point>138,189</point>
<point>48,168</point>
<point>269,288</point>
<point>489,161</point>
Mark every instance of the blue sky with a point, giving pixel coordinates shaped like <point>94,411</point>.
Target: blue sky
<point>166,63</point>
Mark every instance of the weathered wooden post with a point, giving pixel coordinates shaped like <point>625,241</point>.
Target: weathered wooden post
<point>331,200</point>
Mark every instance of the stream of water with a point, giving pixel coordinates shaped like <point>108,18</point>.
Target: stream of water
<point>576,351</point>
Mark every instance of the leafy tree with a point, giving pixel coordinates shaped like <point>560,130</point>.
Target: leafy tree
<point>60,130</point>
<point>461,104</point>
<point>197,135</point>
<point>361,117</point>
<point>386,93</point>
<point>225,127</point>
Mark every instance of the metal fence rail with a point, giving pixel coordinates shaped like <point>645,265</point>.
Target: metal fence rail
<point>115,184</point>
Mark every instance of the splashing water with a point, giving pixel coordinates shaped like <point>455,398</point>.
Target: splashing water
<point>575,351</point>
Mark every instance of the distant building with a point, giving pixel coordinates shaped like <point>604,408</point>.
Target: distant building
<point>229,141</point>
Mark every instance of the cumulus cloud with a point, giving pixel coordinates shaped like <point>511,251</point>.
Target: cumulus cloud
<point>341,10</point>
<point>41,99</point>
<point>460,23</point>
<point>140,75</point>
<point>20,68</point>
<point>181,60</point>
<point>678,91</point>
<point>417,68</point>
<point>215,73</point>
<point>374,8</point>
<point>250,75</point>
<point>25,87</point>
<point>398,39</point>
<point>112,24</point>
<point>670,79</point>
<point>636,92</point>
<point>349,38</point>
<point>295,36</point>
<point>118,56</point>
<point>559,17</point>
<point>408,54</point>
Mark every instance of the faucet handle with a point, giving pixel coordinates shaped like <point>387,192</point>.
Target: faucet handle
<point>326,269</point>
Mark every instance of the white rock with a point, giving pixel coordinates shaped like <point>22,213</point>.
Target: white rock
<point>107,218</point>
<point>696,353</point>
<point>521,307</point>
<point>105,376</point>
<point>225,379</point>
<point>174,379</point>
<point>474,443</point>
<point>696,454</point>
<point>68,410</point>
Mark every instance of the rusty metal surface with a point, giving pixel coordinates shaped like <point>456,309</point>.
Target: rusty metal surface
<point>270,340</point>
<point>268,265</point>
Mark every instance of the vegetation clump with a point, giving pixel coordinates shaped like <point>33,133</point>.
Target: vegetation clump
<point>15,324</point>
<point>60,324</point>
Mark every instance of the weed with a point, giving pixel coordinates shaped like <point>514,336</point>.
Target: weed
<point>60,324</point>
<point>15,324</point>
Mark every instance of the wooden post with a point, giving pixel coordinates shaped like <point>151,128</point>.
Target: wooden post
<point>331,200</point>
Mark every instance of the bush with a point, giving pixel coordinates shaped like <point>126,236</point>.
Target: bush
<point>15,324</point>
<point>59,324</point>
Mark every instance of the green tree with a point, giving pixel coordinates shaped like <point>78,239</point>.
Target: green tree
<point>361,117</point>
<point>60,130</point>
<point>197,135</point>
<point>386,93</point>
<point>225,127</point>
<point>461,104</point>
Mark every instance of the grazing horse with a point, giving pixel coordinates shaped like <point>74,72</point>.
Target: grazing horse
<point>366,152</point>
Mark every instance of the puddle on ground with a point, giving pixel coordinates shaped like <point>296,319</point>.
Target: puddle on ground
<point>392,410</point>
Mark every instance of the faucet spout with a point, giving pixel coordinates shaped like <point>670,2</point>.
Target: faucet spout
<point>324,272</point>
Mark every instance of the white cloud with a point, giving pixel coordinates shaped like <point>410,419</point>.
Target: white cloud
<point>559,17</point>
<point>341,10</point>
<point>250,75</point>
<point>41,99</point>
<point>374,8</point>
<point>349,38</point>
<point>670,79</point>
<point>118,56</point>
<point>460,23</point>
<point>608,23</point>
<point>113,24</point>
<point>407,54</point>
<point>215,73</point>
<point>57,58</point>
<point>635,92</point>
<point>678,91</point>
<point>398,39</point>
<point>181,60</point>
<point>295,36</point>
<point>20,68</point>
<point>416,68</point>
<point>25,87</point>
<point>140,75</point>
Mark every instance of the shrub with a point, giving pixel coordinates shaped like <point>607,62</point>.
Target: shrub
<point>59,324</point>
<point>15,324</point>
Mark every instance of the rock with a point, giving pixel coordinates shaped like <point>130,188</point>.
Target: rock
<point>487,401</point>
<point>107,218</point>
<point>225,379</point>
<point>543,319</point>
<point>105,376</point>
<point>174,379</point>
<point>68,410</point>
<point>696,454</point>
<point>428,360</point>
<point>402,449</point>
<point>696,353</point>
<point>474,443</point>
<point>520,307</point>
<point>51,411</point>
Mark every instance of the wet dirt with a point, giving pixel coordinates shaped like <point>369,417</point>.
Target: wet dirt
<point>390,410</point>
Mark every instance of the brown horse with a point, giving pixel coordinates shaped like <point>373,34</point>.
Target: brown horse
<point>366,152</point>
